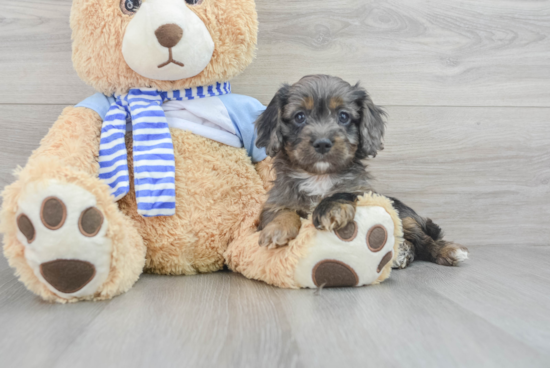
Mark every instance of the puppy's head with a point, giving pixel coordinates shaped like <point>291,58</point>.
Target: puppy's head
<point>321,124</point>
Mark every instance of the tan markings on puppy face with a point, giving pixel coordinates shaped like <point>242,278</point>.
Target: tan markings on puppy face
<point>309,103</point>
<point>284,228</point>
<point>336,102</point>
<point>304,155</point>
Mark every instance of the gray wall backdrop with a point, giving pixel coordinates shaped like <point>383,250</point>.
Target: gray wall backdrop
<point>466,84</point>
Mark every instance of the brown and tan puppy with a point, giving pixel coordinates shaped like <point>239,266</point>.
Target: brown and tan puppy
<point>320,132</point>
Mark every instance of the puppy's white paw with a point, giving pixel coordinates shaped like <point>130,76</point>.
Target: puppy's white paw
<point>64,234</point>
<point>451,255</point>
<point>460,255</point>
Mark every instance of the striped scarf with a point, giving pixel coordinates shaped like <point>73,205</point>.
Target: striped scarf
<point>154,166</point>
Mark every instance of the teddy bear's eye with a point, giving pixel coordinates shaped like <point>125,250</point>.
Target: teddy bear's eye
<point>129,7</point>
<point>193,2</point>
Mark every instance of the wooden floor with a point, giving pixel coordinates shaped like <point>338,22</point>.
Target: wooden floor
<point>491,312</point>
<point>466,84</point>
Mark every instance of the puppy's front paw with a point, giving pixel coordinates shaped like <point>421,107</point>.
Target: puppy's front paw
<point>331,215</point>
<point>275,235</point>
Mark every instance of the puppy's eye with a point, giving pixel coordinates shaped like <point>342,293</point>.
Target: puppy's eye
<point>300,118</point>
<point>343,118</point>
<point>129,7</point>
<point>193,2</point>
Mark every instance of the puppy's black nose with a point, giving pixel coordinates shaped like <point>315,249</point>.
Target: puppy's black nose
<point>322,145</point>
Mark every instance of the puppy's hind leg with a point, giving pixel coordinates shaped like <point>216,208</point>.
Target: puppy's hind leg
<point>429,245</point>
<point>405,255</point>
<point>426,237</point>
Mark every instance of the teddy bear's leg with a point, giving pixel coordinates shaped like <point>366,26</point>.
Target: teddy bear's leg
<point>63,233</point>
<point>359,254</point>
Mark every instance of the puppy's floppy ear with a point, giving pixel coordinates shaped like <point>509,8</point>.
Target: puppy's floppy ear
<point>372,125</point>
<point>268,125</point>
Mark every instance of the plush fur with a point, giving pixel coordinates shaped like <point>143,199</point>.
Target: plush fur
<point>98,29</point>
<point>61,151</point>
<point>216,189</point>
<point>278,266</point>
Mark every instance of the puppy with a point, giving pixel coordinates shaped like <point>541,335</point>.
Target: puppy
<point>321,131</point>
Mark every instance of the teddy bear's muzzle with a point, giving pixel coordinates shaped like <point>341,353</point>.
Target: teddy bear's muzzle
<point>68,275</point>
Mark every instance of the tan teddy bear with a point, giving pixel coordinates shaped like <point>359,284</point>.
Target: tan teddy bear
<point>159,172</point>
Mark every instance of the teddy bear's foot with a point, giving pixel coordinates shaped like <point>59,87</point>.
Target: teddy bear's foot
<point>64,232</point>
<point>358,254</point>
<point>405,255</point>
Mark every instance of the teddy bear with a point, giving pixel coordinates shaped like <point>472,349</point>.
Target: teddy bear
<point>158,172</point>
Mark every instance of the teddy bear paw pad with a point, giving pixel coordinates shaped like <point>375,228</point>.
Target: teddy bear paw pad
<point>65,237</point>
<point>354,255</point>
<point>331,273</point>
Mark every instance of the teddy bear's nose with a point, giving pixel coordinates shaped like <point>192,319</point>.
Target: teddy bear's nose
<point>169,35</point>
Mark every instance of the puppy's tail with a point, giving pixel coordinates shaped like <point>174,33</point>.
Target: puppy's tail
<point>426,237</point>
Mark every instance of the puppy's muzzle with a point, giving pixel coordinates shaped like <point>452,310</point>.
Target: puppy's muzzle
<point>323,145</point>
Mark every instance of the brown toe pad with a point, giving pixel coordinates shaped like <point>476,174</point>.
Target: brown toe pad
<point>348,232</point>
<point>90,222</point>
<point>332,273</point>
<point>384,261</point>
<point>376,238</point>
<point>53,213</point>
<point>26,227</point>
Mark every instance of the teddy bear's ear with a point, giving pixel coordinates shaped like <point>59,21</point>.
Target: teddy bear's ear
<point>269,123</point>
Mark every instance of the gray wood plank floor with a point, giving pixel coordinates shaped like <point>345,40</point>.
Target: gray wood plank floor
<point>490,312</point>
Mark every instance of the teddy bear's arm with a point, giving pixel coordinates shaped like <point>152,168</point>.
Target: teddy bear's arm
<point>73,139</point>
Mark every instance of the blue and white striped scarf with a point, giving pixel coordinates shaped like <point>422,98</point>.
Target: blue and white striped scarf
<point>154,166</point>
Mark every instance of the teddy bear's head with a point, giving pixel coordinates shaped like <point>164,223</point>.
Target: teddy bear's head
<point>164,44</point>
